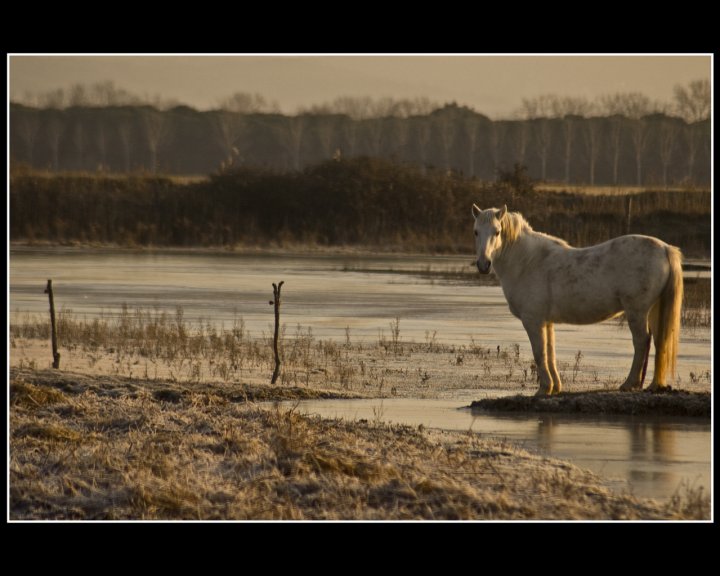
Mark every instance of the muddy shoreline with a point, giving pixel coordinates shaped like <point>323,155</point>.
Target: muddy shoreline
<point>670,403</point>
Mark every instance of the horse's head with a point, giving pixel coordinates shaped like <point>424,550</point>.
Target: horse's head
<point>488,225</point>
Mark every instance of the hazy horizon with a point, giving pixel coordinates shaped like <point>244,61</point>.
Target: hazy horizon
<point>491,84</point>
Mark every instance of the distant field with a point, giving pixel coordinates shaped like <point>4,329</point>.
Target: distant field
<point>613,190</point>
<point>175,178</point>
<point>548,187</point>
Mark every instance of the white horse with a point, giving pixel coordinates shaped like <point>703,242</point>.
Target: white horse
<point>546,281</point>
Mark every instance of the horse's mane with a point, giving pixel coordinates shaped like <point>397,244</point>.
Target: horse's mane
<point>514,225</point>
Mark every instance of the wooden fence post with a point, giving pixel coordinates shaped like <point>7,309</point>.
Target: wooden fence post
<point>53,325</point>
<point>276,301</point>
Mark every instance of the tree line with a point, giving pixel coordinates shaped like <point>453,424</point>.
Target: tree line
<point>618,139</point>
<point>368,202</point>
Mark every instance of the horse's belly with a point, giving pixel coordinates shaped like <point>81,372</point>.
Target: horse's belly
<point>584,309</point>
<point>583,317</point>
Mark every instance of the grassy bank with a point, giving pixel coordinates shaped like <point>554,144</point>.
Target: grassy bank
<point>104,448</point>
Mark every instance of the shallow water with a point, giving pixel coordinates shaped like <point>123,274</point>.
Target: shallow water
<point>318,294</point>
<point>647,456</point>
<point>321,292</point>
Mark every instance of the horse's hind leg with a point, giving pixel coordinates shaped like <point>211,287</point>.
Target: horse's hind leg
<point>641,342</point>
<point>538,341</point>
<point>552,366</point>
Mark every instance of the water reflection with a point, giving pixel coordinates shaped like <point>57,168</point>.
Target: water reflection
<point>651,442</point>
<point>647,456</point>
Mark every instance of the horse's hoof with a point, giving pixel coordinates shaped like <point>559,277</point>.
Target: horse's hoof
<point>543,393</point>
<point>629,387</point>
<point>657,389</point>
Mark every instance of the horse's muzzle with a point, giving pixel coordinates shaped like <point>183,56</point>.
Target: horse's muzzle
<point>483,267</point>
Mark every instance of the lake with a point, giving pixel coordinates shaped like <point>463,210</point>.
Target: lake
<point>332,292</point>
<point>321,291</point>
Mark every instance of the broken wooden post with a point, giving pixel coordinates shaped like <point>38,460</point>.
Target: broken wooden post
<point>276,301</point>
<point>53,326</point>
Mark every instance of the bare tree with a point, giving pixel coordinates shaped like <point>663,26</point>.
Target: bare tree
<point>374,129</point>
<point>520,140</point>
<point>592,135</point>
<point>446,129</point>
<point>636,107</point>
<point>54,127</point>
<point>101,143</point>
<point>227,128</point>
<point>638,137</point>
<point>423,132</point>
<point>693,102</point>
<point>540,110</point>
<point>53,99</point>
<point>326,131</point>
<point>124,132</point>
<point>292,138</point>
<point>471,126</point>
<point>692,139</point>
<point>156,130</point>
<point>349,130</point>
<point>246,103</point>
<point>611,106</point>
<point>667,136</point>
<point>400,131</point>
<point>27,126</point>
<point>78,95</point>
<point>78,140</point>
<point>414,107</point>
<point>496,136</point>
<point>364,107</point>
<point>571,110</point>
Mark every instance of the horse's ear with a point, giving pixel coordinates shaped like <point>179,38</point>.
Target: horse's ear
<point>476,210</point>
<point>501,213</point>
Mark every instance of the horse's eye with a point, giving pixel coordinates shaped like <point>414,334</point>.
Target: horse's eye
<point>475,232</point>
<point>497,233</point>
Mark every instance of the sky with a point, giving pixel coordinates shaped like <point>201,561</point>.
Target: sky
<point>491,84</point>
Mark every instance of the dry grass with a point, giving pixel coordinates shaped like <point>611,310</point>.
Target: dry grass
<point>153,345</point>
<point>611,190</point>
<point>153,417</point>
<point>108,448</point>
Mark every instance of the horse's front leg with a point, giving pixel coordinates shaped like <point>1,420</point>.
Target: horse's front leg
<point>552,366</point>
<point>537,334</point>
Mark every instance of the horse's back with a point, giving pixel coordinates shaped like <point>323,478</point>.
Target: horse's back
<point>594,283</point>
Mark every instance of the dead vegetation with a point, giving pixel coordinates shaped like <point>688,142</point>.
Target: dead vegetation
<point>110,448</point>
<point>152,345</point>
<point>154,417</point>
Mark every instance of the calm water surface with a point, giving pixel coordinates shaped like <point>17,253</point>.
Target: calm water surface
<point>317,294</point>
<point>650,456</point>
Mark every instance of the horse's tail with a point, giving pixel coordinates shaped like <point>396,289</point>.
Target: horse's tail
<point>665,319</point>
